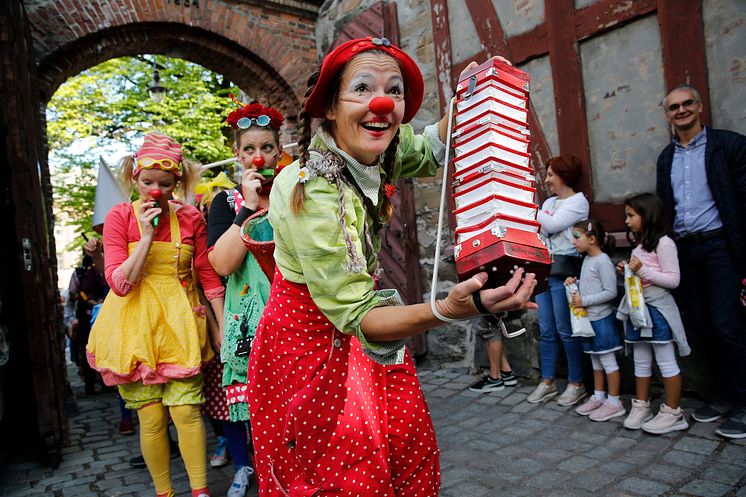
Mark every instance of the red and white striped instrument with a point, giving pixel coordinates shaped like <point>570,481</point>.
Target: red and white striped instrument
<point>494,187</point>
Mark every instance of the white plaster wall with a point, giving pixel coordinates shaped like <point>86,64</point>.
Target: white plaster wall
<point>725,39</point>
<point>464,40</point>
<point>542,99</point>
<point>519,16</point>
<point>623,79</point>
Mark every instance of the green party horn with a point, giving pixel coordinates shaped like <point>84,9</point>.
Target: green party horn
<point>268,173</point>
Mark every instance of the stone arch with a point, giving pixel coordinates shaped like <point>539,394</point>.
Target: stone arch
<point>249,72</point>
<point>266,47</point>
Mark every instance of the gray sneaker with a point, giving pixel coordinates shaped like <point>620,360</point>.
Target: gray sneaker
<point>713,411</point>
<point>735,426</point>
<point>572,395</point>
<point>542,392</point>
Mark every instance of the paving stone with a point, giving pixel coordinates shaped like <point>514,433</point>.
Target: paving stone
<point>640,486</point>
<point>665,472</point>
<point>547,479</point>
<point>733,454</point>
<point>705,488</point>
<point>576,464</point>
<point>696,445</point>
<point>686,459</point>
<point>724,473</point>
<point>593,481</point>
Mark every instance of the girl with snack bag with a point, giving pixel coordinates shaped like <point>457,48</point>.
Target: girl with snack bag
<point>655,260</point>
<point>597,289</point>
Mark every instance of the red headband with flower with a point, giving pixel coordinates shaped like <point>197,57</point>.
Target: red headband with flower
<point>248,115</point>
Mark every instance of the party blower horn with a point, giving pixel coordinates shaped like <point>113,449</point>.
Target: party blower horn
<point>259,162</point>
<point>156,195</point>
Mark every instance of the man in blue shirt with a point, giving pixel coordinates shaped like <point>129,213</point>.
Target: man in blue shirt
<point>701,179</point>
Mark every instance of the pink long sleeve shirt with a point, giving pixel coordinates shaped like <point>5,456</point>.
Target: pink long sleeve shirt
<point>660,267</point>
<point>120,228</point>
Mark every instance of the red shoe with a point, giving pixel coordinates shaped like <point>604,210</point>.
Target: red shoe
<point>126,427</point>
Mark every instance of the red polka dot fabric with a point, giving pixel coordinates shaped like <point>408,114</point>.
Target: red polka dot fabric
<point>215,406</point>
<point>326,419</point>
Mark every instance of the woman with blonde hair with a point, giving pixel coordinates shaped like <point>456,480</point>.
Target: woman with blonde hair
<point>150,339</point>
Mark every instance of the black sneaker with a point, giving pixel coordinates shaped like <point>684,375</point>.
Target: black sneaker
<point>735,426</point>
<point>712,411</point>
<point>488,384</point>
<point>509,378</point>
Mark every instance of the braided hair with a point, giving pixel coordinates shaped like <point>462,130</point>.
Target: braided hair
<point>298,195</point>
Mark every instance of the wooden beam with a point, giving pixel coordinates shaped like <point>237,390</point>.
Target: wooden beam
<point>611,214</point>
<point>569,98</point>
<point>488,27</point>
<point>442,46</point>
<point>683,47</point>
<point>606,15</point>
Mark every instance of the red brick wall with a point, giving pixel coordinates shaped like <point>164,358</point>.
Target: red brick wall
<point>262,49</point>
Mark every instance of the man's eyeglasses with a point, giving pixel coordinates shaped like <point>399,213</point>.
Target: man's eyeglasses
<point>685,103</point>
<point>245,122</point>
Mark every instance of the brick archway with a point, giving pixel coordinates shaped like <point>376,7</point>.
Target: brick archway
<point>249,72</point>
<point>267,48</point>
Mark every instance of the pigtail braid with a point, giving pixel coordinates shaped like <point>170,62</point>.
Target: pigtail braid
<point>389,159</point>
<point>298,196</point>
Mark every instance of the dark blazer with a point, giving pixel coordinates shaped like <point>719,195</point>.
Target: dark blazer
<point>725,166</point>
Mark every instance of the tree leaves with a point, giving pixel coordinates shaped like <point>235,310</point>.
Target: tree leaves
<point>108,106</point>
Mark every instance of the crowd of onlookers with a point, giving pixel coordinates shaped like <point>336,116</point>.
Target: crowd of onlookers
<point>689,252</point>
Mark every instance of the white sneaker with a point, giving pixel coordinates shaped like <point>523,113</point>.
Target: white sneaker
<point>241,482</point>
<point>666,421</point>
<point>589,406</point>
<point>639,413</point>
<point>607,411</point>
<point>541,393</point>
<point>572,395</point>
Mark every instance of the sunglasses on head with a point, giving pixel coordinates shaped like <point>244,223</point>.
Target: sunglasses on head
<point>162,164</point>
<point>685,103</point>
<point>245,122</point>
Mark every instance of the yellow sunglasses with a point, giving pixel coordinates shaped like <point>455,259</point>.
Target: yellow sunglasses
<point>162,164</point>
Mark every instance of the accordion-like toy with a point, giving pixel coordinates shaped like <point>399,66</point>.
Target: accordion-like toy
<point>494,187</point>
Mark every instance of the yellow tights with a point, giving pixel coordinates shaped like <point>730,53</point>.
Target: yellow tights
<point>155,449</point>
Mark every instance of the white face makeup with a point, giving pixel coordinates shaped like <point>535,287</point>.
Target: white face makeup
<point>356,129</point>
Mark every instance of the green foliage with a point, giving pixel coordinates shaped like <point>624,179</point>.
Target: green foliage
<point>108,107</point>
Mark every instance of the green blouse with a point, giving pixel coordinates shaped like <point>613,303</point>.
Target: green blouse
<point>310,246</point>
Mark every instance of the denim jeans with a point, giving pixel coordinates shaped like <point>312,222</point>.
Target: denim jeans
<point>554,325</point>
<point>710,287</point>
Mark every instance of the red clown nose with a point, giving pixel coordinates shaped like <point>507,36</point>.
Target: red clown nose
<point>258,161</point>
<point>381,106</point>
<point>156,194</point>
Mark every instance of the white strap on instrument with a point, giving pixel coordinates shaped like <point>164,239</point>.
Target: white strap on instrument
<point>441,212</point>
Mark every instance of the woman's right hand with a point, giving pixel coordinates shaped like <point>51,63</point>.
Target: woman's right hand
<point>251,185</point>
<point>148,212</point>
<point>570,280</point>
<point>620,266</point>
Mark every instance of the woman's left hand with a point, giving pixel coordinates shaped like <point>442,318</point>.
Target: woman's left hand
<point>512,296</point>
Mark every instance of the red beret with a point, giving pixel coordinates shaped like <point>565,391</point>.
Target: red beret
<point>335,61</point>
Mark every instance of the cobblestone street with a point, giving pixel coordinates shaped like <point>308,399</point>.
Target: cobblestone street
<point>492,444</point>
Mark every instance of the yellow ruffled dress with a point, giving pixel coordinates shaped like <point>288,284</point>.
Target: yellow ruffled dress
<point>158,331</point>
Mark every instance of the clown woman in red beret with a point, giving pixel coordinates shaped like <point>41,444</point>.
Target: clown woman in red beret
<point>335,405</point>
<point>150,338</point>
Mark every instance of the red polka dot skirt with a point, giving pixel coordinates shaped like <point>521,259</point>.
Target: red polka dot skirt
<point>215,406</point>
<point>326,419</point>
